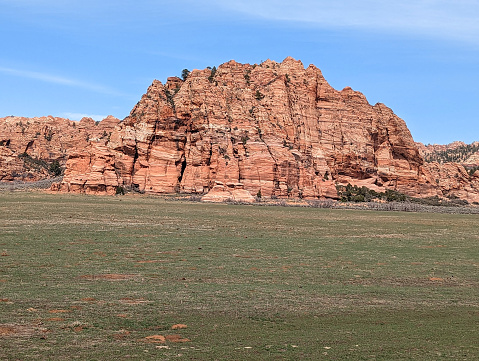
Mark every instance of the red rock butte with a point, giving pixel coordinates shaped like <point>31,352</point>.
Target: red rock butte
<point>275,129</point>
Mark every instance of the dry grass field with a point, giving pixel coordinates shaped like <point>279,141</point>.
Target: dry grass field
<point>148,278</point>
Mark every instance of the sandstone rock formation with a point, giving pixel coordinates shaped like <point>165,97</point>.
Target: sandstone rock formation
<point>236,132</point>
<point>453,181</point>
<point>228,192</point>
<point>278,129</point>
<point>28,146</point>
<point>459,152</point>
<point>453,168</point>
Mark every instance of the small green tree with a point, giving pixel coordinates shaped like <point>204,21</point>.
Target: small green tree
<point>185,73</point>
<point>258,195</point>
<point>55,168</point>
<point>211,78</point>
<point>258,95</point>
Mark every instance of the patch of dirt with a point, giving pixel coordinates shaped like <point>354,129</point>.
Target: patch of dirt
<point>55,319</point>
<point>178,326</point>
<point>88,299</point>
<point>8,330</point>
<point>109,277</point>
<point>176,338</point>
<point>58,311</point>
<point>436,279</point>
<point>162,339</point>
<point>156,339</point>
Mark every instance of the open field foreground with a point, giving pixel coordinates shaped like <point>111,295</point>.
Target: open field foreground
<point>143,278</point>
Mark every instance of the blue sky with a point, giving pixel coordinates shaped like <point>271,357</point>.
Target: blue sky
<point>93,58</point>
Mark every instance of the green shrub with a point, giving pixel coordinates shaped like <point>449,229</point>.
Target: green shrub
<point>472,170</point>
<point>350,193</point>
<point>258,95</point>
<point>247,77</point>
<point>211,78</point>
<point>49,135</point>
<point>185,73</point>
<point>55,168</point>
<point>458,154</point>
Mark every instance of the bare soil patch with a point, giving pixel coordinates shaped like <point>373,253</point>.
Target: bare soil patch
<point>176,338</point>
<point>178,326</point>
<point>12,330</point>
<point>155,339</point>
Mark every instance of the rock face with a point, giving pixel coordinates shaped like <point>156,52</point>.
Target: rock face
<point>453,181</point>
<point>228,192</point>
<point>28,146</point>
<point>459,152</point>
<point>278,129</point>
<point>454,168</point>
<point>237,132</point>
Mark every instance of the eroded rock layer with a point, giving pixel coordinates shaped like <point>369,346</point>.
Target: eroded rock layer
<point>236,132</point>
<point>29,146</point>
<point>274,129</point>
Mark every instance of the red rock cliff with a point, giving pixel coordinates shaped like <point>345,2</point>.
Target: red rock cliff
<point>29,145</point>
<point>276,128</point>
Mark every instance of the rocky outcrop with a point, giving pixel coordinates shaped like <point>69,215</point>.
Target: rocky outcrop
<point>279,129</point>
<point>237,132</point>
<point>453,181</point>
<point>453,167</point>
<point>228,192</point>
<point>458,152</point>
<point>29,146</point>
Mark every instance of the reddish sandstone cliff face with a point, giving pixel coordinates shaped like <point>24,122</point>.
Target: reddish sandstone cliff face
<point>276,129</point>
<point>29,145</point>
<point>453,179</point>
<point>459,152</point>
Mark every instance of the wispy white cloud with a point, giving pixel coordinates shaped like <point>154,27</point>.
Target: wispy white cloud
<point>453,19</point>
<point>79,116</point>
<point>49,78</point>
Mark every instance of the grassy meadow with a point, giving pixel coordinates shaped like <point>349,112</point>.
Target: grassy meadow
<point>147,278</point>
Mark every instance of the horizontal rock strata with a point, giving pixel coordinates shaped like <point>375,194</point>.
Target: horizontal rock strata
<point>243,131</point>
<point>28,146</point>
<point>279,129</point>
